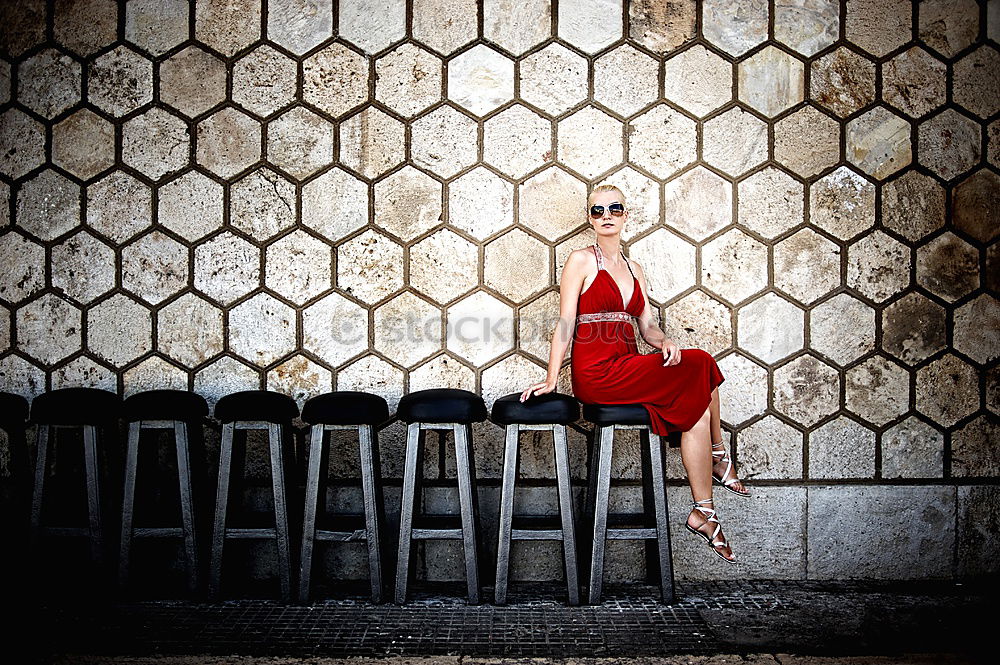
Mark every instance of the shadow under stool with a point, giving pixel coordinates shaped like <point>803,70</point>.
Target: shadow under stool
<point>439,409</point>
<point>344,410</point>
<point>608,419</point>
<point>550,412</point>
<point>239,413</point>
<point>176,411</point>
<point>92,411</point>
<point>14,423</point>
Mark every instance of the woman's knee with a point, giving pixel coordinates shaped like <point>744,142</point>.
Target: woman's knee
<point>697,356</point>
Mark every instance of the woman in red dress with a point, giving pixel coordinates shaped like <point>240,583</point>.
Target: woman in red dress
<point>600,293</point>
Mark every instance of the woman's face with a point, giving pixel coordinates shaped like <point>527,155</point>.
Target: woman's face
<point>607,223</point>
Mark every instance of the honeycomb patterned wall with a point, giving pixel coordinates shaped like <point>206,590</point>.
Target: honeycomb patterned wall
<point>307,195</point>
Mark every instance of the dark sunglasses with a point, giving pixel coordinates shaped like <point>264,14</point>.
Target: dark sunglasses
<point>616,210</point>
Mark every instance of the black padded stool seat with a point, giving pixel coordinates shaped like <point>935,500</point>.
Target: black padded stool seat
<point>346,407</point>
<point>76,407</point>
<point>616,414</point>
<point>13,411</point>
<point>164,405</point>
<point>548,409</point>
<point>441,405</point>
<point>256,405</point>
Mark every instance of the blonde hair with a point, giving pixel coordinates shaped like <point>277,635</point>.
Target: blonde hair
<point>607,188</point>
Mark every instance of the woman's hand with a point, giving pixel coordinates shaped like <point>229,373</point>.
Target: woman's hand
<point>538,389</point>
<point>671,353</point>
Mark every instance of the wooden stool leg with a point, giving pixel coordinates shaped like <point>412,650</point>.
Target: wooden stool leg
<point>276,441</point>
<point>604,440</point>
<point>128,501</point>
<point>467,501</point>
<point>506,512</point>
<point>221,501</point>
<point>563,480</point>
<point>93,493</point>
<point>653,443</point>
<point>182,444</point>
<point>407,506</point>
<point>367,451</point>
<point>37,495</point>
<point>316,437</point>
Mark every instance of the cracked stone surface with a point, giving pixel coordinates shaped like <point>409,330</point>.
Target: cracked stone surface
<point>371,142</point>
<point>913,328</point>
<point>770,328</point>
<point>50,329</point>
<point>842,203</point>
<point>264,81</point>
<point>842,329</point>
<point>947,390</point>
<point>771,81</point>
<point>444,141</point>
<point>335,329</point>
<point>806,266</point>
<point>806,390</point>
<point>948,267</point>
<point>842,448</point>
<point>226,268</point>
<point>407,203</point>
<point>878,266</point>
<point>878,26</point>
<point>120,81</point>
<point>156,26</point>
<point>155,143</point>
<point>770,202</point>
<point>370,267</point>
<point>662,25</point>
<point>154,267</point>
<point>517,141</point>
<point>335,204</point>
<point>516,265</point>
<point>407,329</point>
<point>698,203</point>
<point>807,141</point>
<point>668,262</point>
<point>480,328</point>
<point>734,266</point>
<point>843,82</point>
<point>189,330</point>
<point>480,80</point>
<point>85,26</point>
<point>443,266</point>
<point>698,80</point>
<point>877,390</point>
<point>192,81</point>
<point>262,204</point>
<point>408,79</point>
<point>300,142</point>
<point>770,449</point>
<point>516,26</point>
<point>948,144</point>
<point>119,330</point>
<point>662,141</point>
<point>912,449</point>
<point>119,206</point>
<point>878,143</point>
<point>297,266</point>
<point>301,26</point>
<point>913,205</point>
<point>735,141</point>
<point>84,144</point>
<point>49,82</point>
<point>550,203</point>
<point>975,204</point>
<point>977,329</point>
<point>948,26</point>
<point>228,25</point>
<point>48,205</point>
<point>261,329</point>
<point>191,206</point>
<point>914,82</point>
<point>734,26</point>
<point>808,26</point>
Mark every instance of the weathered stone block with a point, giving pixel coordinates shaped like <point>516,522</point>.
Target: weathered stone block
<point>978,526</point>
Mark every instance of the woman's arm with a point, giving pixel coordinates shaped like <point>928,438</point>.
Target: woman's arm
<point>648,328</point>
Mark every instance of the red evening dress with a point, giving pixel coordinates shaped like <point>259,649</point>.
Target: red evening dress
<point>607,367</point>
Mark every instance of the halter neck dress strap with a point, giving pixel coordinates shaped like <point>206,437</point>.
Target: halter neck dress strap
<point>600,260</point>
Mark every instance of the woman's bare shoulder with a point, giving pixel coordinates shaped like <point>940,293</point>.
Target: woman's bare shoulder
<point>581,259</point>
<point>635,266</point>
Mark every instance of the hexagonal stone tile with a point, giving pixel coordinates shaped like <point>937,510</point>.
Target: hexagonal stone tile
<point>480,328</point>
<point>518,141</point>
<point>85,26</point>
<point>48,329</point>
<point>878,26</point>
<point>975,203</point>
<point>156,26</point>
<point>554,79</point>
<point>626,80</point>
<point>407,329</point>
<point>516,265</point>
<point>662,26</point>
<point>120,81</point>
<point>407,203</point>
<point>517,26</point>
<point>948,144</point>
<point>48,82</point>
<point>224,376</point>
<point>698,80</point>
<point>83,267</point>
<point>444,265</point>
<point>746,395</point>
<point>24,26</point>
<point>4,204</point>
<point>300,142</point>
<point>735,141</point>
<point>877,390</point>
<point>153,373</point>
<point>972,450</point>
<point>771,81</point>
<point>22,377</point>
<point>373,375</point>
<point>993,142</point>
<point>913,205</point>
<point>668,261</point>
<point>371,142</point>
<point>335,329</point>
<point>261,329</point>
<point>262,203</point>
<point>993,20</point>
<point>993,390</point>
<point>84,372</point>
<point>228,142</point>
<point>48,205</point>
<point>372,24</point>
<point>119,206</point>
<point>661,141</point>
<point>734,26</point>
<point>445,25</point>
<point>5,330</point>
<point>977,329</point>
<point>842,329</point>
<point>370,267</point>
<point>189,330</point>
<point>912,449</point>
<point>446,141</point>
<point>734,266</point>
<point>770,449</point>
<point>154,267</point>
<point>976,86</point>
<point>698,203</point>
<point>300,378</point>
<point>535,323</point>
<point>948,267</point>
<point>948,26</point>
<point>914,82</point>
<point>480,203</point>
<point>192,81</point>
<point>806,390</point>
<point>155,143</point>
<point>298,267</point>
<point>643,200</point>
<point>842,81</point>
<point>770,202</point>
<point>119,330</point>
<point>590,26</point>
<point>842,448</point>
<point>506,376</point>
<point>947,390</point>
<point>878,266</point>
<point>842,203</point>
<point>227,25</point>
<point>226,268</point>
<point>878,142</point>
<point>807,141</point>
<point>480,80</point>
<point>590,142</point>
<point>300,27</point>
<point>913,328</point>
<point>551,203</point>
<point>4,81</point>
<point>408,79</point>
<point>806,266</point>
<point>805,25</point>
<point>264,81</point>
<point>84,144</point>
<point>770,328</point>
<point>442,372</point>
<point>191,206</point>
<point>334,204</point>
<point>23,141</point>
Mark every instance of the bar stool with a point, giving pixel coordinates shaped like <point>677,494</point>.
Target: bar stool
<point>440,409</point>
<point>14,422</point>
<point>550,412</point>
<point>609,418</point>
<point>241,412</point>
<point>176,411</point>
<point>345,410</point>
<point>90,410</point>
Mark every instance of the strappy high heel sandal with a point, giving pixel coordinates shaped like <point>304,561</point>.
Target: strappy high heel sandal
<point>719,454</point>
<point>710,518</point>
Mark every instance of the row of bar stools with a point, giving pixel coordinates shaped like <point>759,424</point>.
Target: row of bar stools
<point>360,412</point>
<point>439,409</point>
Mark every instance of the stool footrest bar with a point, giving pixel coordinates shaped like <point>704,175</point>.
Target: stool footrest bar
<point>437,534</point>
<point>158,532</point>
<point>536,534</point>
<point>358,535</point>
<point>251,533</point>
